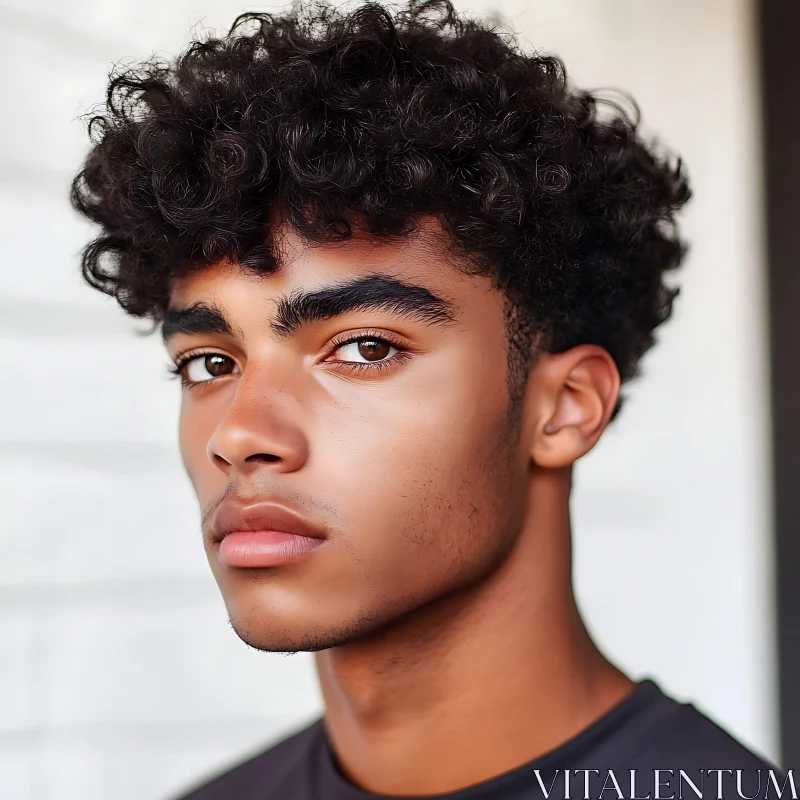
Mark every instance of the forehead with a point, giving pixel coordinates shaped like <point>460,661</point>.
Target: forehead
<point>424,258</point>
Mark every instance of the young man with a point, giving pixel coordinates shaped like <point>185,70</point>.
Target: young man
<point>402,269</point>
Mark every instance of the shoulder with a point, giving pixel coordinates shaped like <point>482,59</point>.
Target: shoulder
<point>259,776</point>
<point>686,738</point>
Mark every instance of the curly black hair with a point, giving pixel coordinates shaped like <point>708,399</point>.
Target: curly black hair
<point>371,119</point>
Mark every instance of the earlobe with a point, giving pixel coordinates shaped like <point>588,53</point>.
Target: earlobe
<point>577,394</point>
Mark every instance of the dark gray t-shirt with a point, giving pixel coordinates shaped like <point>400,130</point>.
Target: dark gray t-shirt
<point>662,741</point>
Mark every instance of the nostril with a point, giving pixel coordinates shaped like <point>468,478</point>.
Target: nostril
<point>219,461</point>
<point>267,458</point>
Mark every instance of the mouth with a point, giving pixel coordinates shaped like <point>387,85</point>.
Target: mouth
<point>262,535</point>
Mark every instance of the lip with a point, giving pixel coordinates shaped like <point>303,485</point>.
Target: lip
<point>262,534</point>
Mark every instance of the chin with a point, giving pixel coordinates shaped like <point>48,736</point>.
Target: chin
<point>273,635</point>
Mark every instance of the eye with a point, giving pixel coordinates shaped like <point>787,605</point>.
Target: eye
<point>365,351</point>
<point>205,367</point>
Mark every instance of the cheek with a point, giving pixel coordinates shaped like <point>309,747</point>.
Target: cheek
<point>423,475</point>
<point>438,412</point>
<point>194,432</point>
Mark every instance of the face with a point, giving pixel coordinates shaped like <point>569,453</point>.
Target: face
<point>346,428</point>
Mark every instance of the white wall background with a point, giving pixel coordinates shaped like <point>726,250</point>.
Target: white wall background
<point>111,660</point>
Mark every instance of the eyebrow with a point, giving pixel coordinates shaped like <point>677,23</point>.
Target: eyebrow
<point>369,293</point>
<point>197,318</point>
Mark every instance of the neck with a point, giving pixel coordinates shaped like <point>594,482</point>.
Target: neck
<point>479,682</point>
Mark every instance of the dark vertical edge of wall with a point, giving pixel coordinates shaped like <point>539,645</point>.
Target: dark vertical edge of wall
<point>779,45</point>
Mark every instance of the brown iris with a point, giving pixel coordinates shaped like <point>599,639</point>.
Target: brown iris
<point>218,365</point>
<point>373,349</point>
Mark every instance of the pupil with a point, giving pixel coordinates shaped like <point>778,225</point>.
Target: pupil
<point>373,351</point>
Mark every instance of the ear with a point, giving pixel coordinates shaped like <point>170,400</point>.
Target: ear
<point>573,395</point>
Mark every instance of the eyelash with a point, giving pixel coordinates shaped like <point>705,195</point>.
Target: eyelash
<point>176,369</point>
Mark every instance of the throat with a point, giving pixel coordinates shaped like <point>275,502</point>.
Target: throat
<point>470,688</point>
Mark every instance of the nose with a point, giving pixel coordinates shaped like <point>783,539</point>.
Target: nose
<point>263,425</point>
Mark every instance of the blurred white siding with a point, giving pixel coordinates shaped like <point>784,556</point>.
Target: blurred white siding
<point>119,676</point>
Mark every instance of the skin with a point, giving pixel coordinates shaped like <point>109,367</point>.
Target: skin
<point>441,605</point>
